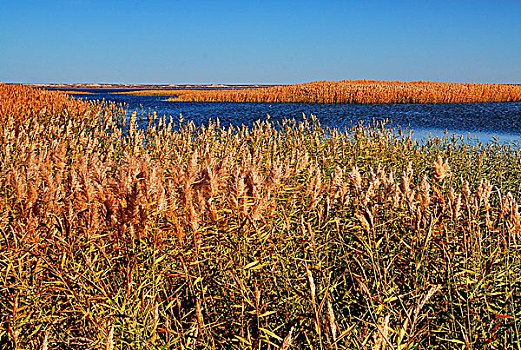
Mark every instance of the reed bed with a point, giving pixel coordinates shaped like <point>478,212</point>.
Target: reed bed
<point>361,92</point>
<point>73,92</point>
<point>116,234</point>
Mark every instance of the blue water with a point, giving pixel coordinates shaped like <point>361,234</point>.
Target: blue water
<point>479,121</point>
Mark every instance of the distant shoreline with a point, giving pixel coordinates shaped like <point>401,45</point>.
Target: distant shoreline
<point>73,86</point>
<point>321,92</point>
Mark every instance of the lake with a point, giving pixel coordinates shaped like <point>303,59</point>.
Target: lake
<point>479,121</point>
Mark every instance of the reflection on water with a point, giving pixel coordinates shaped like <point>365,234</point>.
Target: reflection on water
<point>481,121</point>
<point>472,137</point>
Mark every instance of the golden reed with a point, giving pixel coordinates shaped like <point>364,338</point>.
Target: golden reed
<point>360,92</point>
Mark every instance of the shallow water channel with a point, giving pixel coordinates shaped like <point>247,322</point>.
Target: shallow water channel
<point>481,122</point>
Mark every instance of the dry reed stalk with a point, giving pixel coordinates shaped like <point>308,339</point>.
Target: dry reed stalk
<point>318,327</point>
<point>312,287</point>
<point>45,343</point>
<point>257,298</point>
<point>423,301</point>
<point>314,188</point>
<point>199,313</point>
<point>194,335</point>
<point>424,192</point>
<point>381,335</point>
<point>110,339</point>
<point>332,323</point>
<point>156,314</point>
<point>288,340</point>
<point>514,220</point>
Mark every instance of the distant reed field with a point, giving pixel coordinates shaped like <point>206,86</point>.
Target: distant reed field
<point>150,233</point>
<point>359,92</point>
<point>73,92</point>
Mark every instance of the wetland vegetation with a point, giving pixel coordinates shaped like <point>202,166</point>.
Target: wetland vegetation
<point>280,235</point>
<point>357,92</point>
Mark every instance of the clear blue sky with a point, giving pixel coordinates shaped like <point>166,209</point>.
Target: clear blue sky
<point>178,41</point>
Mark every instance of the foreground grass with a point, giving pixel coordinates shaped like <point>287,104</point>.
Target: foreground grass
<point>275,236</point>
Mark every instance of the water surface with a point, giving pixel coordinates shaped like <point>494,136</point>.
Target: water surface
<point>480,121</point>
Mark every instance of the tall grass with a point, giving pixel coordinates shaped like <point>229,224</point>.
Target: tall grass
<point>361,92</point>
<point>284,235</point>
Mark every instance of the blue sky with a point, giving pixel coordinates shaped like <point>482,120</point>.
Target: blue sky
<point>131,41</point>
